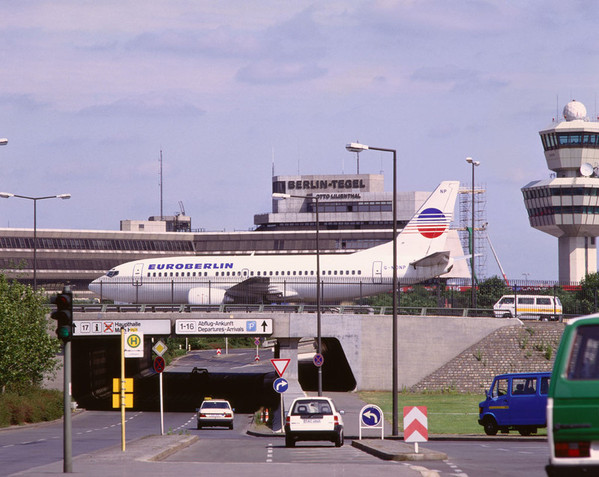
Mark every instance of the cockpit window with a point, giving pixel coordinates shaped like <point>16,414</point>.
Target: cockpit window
<point>112,273</point>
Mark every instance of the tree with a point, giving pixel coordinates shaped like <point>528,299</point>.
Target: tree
<point>587,295</point>
<point>27,350</point>
<point>490,291</point>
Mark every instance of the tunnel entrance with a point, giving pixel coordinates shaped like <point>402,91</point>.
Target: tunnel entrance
<point>336,372</point>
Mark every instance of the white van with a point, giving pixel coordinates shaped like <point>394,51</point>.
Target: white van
<point>532,307</point>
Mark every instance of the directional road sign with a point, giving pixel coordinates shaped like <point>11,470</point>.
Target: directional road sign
<point>371,415</point>
<point>113,327</point>
<point>224,326</point>
<point>280,385</point>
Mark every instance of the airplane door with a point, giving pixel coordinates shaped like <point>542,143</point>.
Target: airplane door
<point>137,274</point>
<point>377,272</point>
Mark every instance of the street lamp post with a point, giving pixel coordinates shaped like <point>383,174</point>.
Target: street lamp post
<point>474,163</point>
<point>358,147</point>
<point>318,284</point>
<point>8,195</point>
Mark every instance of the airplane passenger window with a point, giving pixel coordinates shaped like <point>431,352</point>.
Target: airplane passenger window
<point>270,273</point>
<point>300,272</point>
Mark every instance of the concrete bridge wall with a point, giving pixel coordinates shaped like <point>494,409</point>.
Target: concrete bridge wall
<point>425,343</point>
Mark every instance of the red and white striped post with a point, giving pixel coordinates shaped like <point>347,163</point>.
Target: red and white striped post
<point>415,425</point>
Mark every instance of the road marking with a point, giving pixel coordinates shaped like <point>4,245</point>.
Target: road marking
<point>269,452</point>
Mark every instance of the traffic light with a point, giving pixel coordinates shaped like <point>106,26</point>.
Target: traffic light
<point>63,314</point>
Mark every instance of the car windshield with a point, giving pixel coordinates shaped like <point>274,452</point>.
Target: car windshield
<point>215,405</point>
<point>312,406</point>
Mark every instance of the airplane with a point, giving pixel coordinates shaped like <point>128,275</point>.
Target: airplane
<point>206,280</point>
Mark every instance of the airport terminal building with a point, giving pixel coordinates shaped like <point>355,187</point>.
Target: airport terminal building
<point>354,212</point>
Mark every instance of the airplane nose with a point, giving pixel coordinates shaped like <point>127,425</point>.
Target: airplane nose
<point>95,286</point>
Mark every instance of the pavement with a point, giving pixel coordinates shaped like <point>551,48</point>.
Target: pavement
<point>144,456</point>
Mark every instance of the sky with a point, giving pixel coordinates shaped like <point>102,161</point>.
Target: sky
<point>91,92</point>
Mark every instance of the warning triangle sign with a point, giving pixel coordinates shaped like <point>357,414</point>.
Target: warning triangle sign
<point>280,365</point>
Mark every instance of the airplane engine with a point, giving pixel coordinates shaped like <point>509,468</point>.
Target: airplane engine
<point>206,296</point>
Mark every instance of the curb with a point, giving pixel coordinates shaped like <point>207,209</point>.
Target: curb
<point>389,450</point>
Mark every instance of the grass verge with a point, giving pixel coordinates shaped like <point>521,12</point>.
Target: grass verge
<point>448,413</point>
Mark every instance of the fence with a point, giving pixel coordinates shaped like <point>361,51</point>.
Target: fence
<point>442,297</point>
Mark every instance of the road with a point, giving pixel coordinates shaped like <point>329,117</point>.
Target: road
<point>227,452</point>
<point>497,458</point>
<point>31,446</point>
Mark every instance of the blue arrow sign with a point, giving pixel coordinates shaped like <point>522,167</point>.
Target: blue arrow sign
<point>280,385</point>
<point>371,415</point>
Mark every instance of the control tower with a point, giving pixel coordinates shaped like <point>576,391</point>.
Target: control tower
<point>567,204</point>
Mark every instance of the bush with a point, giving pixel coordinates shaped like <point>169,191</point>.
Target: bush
<point>28,406</point>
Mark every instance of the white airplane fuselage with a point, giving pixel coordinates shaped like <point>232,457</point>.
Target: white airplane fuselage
<point>291,278</point>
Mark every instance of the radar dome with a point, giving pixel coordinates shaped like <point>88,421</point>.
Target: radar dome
<point>574,110</point>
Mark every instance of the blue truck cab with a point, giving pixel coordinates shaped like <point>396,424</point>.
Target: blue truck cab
<point>515,401</point>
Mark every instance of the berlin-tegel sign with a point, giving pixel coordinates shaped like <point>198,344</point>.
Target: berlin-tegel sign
<point>113,327</point>
<point>224,326</point>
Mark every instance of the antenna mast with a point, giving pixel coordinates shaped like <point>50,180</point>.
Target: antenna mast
<point>161,214</point>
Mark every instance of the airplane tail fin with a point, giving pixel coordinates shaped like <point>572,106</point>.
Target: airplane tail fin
<point>426,232</point>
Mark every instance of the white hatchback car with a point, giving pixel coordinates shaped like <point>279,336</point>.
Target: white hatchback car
<point>215,412</point>
<point>313,419</point>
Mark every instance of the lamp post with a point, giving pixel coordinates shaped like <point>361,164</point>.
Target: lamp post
<point>318,284</point>
<point>358,147</point>
<point>474,163</point>
<point>8,195</point>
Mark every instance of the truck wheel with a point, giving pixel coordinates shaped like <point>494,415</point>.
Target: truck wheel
<point>527,430</point>
<point>289,441</point>
<point>507,315</point>
<point>490,426</point>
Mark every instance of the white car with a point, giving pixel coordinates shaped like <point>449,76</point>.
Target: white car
<point>313,419</point>
<point>215,412</point>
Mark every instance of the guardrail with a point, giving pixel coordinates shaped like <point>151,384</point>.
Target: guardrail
<point>279,308</point>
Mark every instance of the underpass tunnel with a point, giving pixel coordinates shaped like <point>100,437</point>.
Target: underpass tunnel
<point>337,375</point>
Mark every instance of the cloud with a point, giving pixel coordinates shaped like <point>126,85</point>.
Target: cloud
<point>457,79</point>
<point>272,72</point>
<point>146,105</point>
